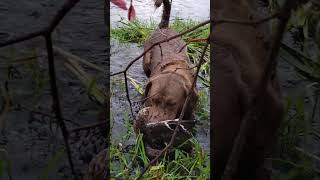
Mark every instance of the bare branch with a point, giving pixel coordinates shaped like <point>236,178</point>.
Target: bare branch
<point>127,92</point>
<point>46,32</point>
<point>69,4</point>
<point>55,98</point>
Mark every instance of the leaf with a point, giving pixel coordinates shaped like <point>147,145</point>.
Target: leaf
<point>137,85</point>
<point>131,13</point>
<point>120,3</point>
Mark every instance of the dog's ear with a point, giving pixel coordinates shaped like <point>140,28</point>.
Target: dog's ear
<point>148,86</point>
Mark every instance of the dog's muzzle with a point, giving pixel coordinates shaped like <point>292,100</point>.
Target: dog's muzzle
<point>157,134</point>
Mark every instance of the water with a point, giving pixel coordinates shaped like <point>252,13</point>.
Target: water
<point>32,138</point>
<point>145,10</point>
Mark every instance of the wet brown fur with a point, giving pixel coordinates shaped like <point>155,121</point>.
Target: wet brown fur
<point>239,59</point>
<point>170,76</point>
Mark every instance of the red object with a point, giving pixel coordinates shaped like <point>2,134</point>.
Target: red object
<point>120,3</point>
<point>131,13</point>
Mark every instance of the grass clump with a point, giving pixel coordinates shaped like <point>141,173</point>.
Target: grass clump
<point>128,162</point>
<point>138,32</point>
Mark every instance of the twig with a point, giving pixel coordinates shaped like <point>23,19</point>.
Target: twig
<point>197,40</point>
<point>69,4</point>
<point>205,80</point>
<point>55,98</point>
<point>46,32</point>
<point>77,58</point>
<point>180,117</point>
<point>307,153</point>
<point>127,92</point>
<point>253,110</point>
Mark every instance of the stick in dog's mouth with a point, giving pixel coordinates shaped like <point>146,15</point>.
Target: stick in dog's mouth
<point>158,133</point>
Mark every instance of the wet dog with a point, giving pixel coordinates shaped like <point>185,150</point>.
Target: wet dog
<point>170,81</point>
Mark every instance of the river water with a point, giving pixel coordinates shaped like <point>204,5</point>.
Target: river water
<point>32,139</point>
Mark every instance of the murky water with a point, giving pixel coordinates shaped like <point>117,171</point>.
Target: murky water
<point>32,139</point>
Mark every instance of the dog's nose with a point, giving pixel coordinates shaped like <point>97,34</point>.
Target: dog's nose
<point>155,116</point>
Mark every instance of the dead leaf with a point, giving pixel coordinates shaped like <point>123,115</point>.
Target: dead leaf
<point>120,3</point>
<point>131,13</point>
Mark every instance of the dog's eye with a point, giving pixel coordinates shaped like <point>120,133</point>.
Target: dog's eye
<point>171,103</point>
<point>156,101</point>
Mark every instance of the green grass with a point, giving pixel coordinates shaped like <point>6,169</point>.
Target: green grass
<point>127,164</point>
<point>138,32</point>
<point>294,131</point>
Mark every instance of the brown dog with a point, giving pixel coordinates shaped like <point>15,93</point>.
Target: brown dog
<point>239,60</point>
<point>170,80</point>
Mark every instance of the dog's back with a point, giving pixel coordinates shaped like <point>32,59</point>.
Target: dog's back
<point>163,53</point>
<point>173,50</point>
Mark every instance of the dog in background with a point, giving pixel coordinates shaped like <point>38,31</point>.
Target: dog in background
<point>240,53</point>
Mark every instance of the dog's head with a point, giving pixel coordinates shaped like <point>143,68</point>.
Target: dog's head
<point>166,95</point>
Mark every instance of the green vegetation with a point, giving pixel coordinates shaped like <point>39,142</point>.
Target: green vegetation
<point>127,162</point>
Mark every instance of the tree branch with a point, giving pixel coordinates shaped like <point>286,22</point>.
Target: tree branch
<point>46,32</point>
<point>55,98</point>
